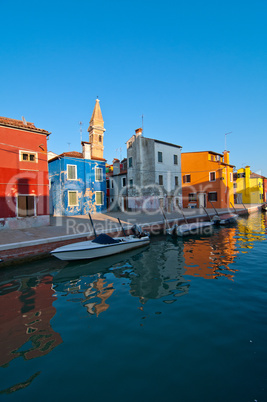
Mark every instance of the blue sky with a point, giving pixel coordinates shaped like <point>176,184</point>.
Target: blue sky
<point>194,69</point>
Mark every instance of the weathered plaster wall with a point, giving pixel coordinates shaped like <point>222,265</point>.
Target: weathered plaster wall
<point>85,185</point>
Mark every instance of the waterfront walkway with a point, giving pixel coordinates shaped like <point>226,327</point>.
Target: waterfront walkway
<point>39,241</point>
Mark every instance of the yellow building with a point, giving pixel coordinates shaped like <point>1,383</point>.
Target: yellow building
<point>249,187</point>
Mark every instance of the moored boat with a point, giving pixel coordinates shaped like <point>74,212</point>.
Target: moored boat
<point>188,229</point>
<point>264,207</point>
<point>225,219</point>
<point>102,246</point>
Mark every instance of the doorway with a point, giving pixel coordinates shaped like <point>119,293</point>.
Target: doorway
<point>202,200</point>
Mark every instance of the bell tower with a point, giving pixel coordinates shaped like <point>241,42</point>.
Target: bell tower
<point>96,132</point>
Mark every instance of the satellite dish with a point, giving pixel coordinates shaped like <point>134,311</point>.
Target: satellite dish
<point>24,121</point>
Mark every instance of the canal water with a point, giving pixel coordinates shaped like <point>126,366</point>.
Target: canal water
<point>182,320</point>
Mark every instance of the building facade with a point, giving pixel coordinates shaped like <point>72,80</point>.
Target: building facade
<point>78,179</point>
<point>153,173</point>
<point>250,187</point>
<point>207,176</point>
<point>117,186</point>
<point>24,188</point>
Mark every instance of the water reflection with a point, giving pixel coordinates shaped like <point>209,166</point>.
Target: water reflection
<point>25,312</point>
<point>159,273</point>
<point>164,270</point>
<point>252,229</point>
<point>211,257</point>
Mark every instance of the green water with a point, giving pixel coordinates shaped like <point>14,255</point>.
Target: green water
<point>181,320</point>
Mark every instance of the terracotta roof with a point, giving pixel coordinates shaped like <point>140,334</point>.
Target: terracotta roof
<point>5,121</point>
<point>98,159</point>
<point>256,176</point>
<point>74,154</point>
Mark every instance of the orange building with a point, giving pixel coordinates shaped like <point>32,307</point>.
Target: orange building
<point>207,176</point>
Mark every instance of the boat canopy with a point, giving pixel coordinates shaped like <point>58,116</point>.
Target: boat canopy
<point>105,239</point>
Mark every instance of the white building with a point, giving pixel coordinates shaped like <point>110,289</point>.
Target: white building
<point>154,173</point>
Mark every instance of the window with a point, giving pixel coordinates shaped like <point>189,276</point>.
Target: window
<point>26,205</point>
<point>175,159</point>
<point>98,174</point>
<point>112,183</point>
<point>187,178</point>
<point>235,185</point>
<point>130,162</point>
<point>107,183</point>
<point>123,181</point>
<point>72,198</point>
<point>192,196</point>
<point>28,156</point>
<point>131,183</point>
<point>241,175</point>
<point>99,138</point>
<point>212,176</point>
<point>160,157</point>
<point>71,172</point>
<point>212,196</point>
<point>231,177</point>
<point>160,180</point>
<point>99,198</point>
<point>176,181</point>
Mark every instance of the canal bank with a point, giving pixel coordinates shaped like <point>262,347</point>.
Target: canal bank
<point>31,243</point>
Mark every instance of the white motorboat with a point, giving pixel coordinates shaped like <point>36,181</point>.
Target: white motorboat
<point>102,246</point>
<point>225,219</point>
<point>191,228</point>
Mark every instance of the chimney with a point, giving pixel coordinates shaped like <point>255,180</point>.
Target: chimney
<point>116,166</point>
<point>86,150</point>
<point>138,131</point>
<point>226,157</point>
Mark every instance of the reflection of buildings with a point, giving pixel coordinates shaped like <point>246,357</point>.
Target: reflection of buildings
<point>101,290</point>
<point>26,311</point>
<point>210,258</point>
<point>92,287</point>
<point>251,230</point>
<point>157,272</point>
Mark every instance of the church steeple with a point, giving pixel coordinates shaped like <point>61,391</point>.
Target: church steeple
<point>96,132</point>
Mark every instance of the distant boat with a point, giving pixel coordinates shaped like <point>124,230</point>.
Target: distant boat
<point>264,207</point>
<point>225,219</point>
<point>188,229</point>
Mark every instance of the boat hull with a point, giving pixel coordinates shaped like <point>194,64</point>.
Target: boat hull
<point>191,229</point>
<point>226,219</point>
<point>88,250</point>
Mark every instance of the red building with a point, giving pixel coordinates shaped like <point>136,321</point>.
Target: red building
<point>24,182</point>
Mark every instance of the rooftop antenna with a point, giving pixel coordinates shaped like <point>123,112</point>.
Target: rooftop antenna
<point>225,139</point>
<point>68,144</point>
<point>81,131</point>
<point>24,120</point>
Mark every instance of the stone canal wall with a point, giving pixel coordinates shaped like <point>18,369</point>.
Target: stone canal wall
<point>17,252</point>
